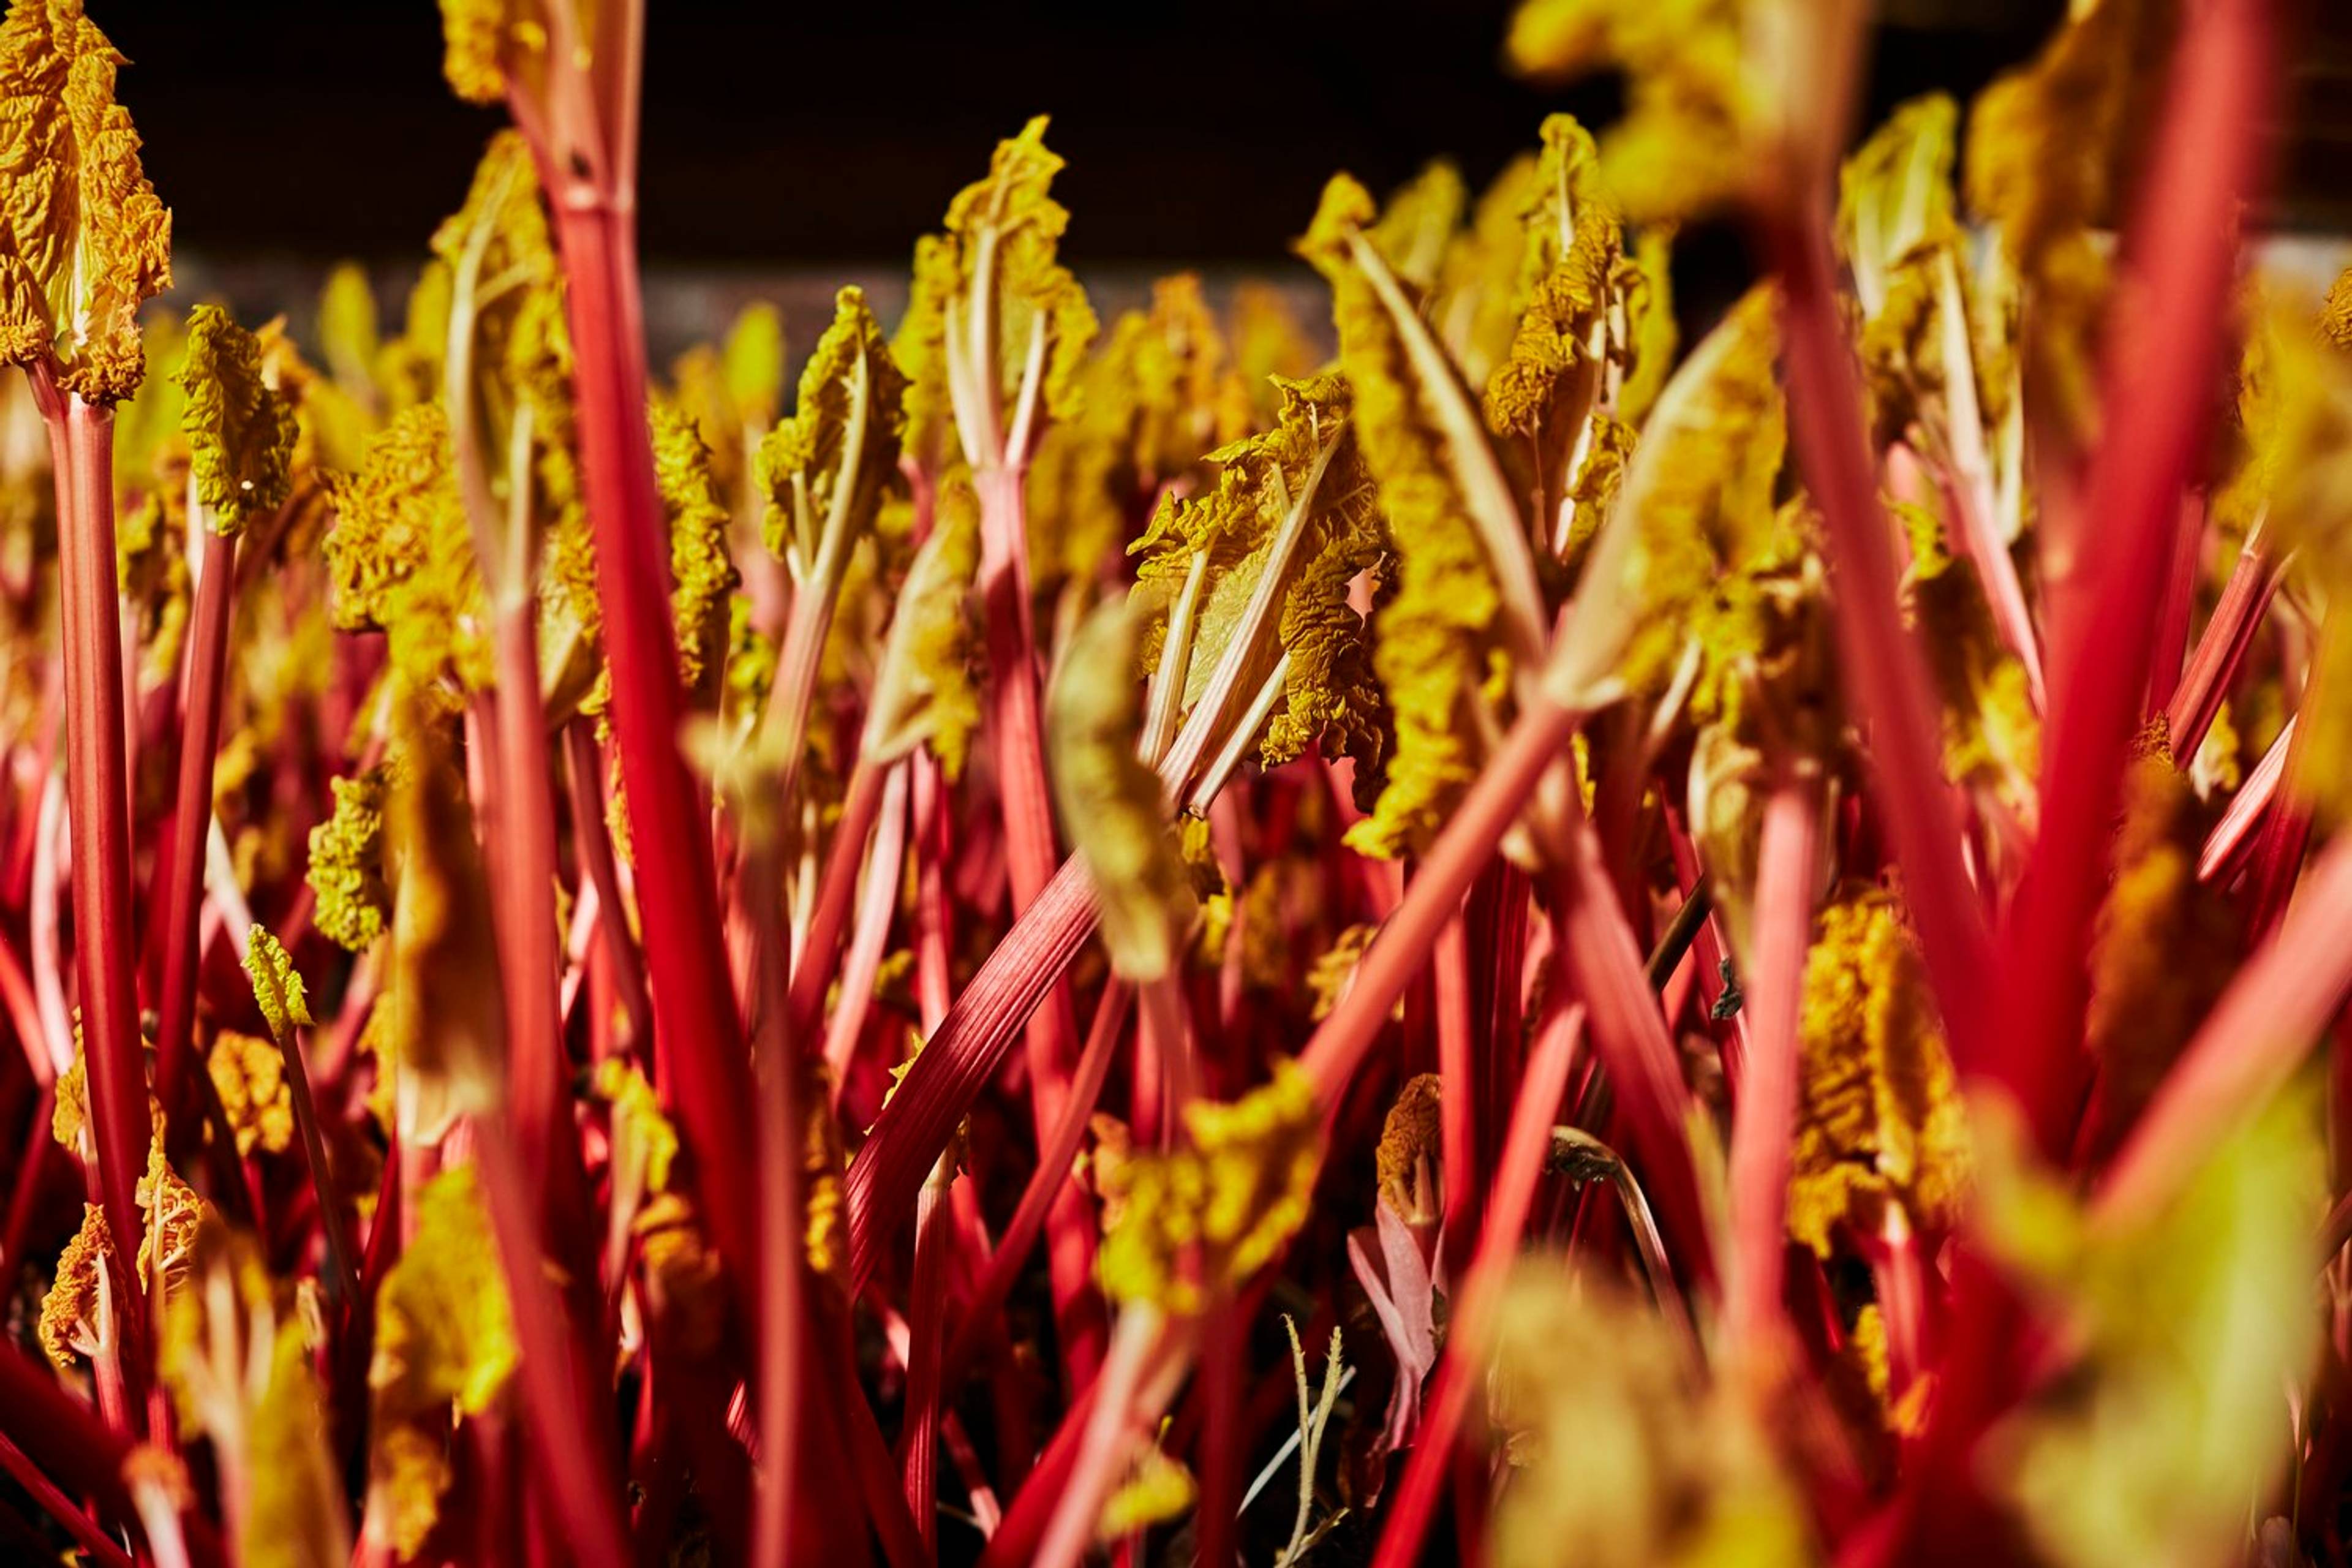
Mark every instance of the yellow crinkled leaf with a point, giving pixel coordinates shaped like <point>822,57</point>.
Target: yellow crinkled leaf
<point>2184,1341</point>
<point>150,445</point>
<point>249,1073</point>
<point>491,46</point>
<point>2299,428</point>
<point>1448,505</point>
<point>1992,734</point>
<point>826,469</point>
<point>985,292</point>
<point>171,1212</point>
<point>78,1311</point>
<point>1157,396</point>
<point>1201,1218</point>
<point>507,304</point>
<point>2336,315</point>
<point>702,574</point>
<point>1160,1491</point>
<point>401,559</point>
<point>346,869</point>
<point>1894,194</point>
<point>643,1141</point>
<point>1681,149</point>
<point>1227,533</point>
<point>1407,1157</point>
<point>1418,223</point>
<point>1646,284</point>
<point>349,340</point>
<point>924,693</point>
<point>276,983</point>
<point>1268,340</point>
<point>1714,569</point>
<point>685,1291</point>
<point>240,433</point>
<point>753,359</point>
<point>85,240</point>
<point>445,1346</point>
<point>2050,147</point>
<point>1475,302</point>
<point>1332,972</point>
<point>1111,800</point>
<point>1879,1119</point>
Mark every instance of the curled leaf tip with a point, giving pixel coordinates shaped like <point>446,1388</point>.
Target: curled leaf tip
<point>85,240</point>
<point>276,984</point>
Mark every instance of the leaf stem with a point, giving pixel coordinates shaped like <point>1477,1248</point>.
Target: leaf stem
<point>697,1042</point>
<point>207,652</point>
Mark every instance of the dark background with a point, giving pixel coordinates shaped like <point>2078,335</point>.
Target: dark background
<point>809,134</point>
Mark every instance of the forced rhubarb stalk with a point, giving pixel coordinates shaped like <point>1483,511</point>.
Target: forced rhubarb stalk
<point>1046,1180</point>
<point>696,1038</point>
<point>1458,1093</point>
<point>961,1058</point>
<point>70,1447</point>
<point>562,1388</point>
<point>2233,836</point>
<point>1879,659</point>
<point>1017,739</point>
<point>1763,1123</point>
<point>835,896</point>
<point>208,654</point>
<point>1461,1371</point>
<point>877,905</point>
<point>100,823</point>
<point>1629,1033</point>
<point>919,1435</point>
<point>1149,1353</point>
<point>45,1495</point>
<point>2159,390</point>
<point>2222,648</point>
<point>2173,613</point>
<point>583,769</point>
<point>781,1258</point>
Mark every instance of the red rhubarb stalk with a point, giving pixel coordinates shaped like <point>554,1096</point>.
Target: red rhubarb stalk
<point>104,946</point>
<point>1537,739</point>
<point>200,709</point>
<point>698,1046</point>
<point>962,1058</point>
<point>2225,850</point>
<point>1764,1119</point>
<point>1461,1371</point>
<point>1879,660</point>
<point>1017,736</point>
<point>1052,1172</point>
<point>2222,648</point>
<point>2159,390</point>
<point>564,1392</point>
<point>584,774</point>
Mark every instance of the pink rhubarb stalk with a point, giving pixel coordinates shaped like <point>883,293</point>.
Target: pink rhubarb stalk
<point>200,710</point>
<point>1461,1371</point>
<point>1880,661</point>
<point>1764,1119</point>
<point>698,1043</point>
<point>2222,648</point>
<point>2159,390</point>
<point>105,949</point>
